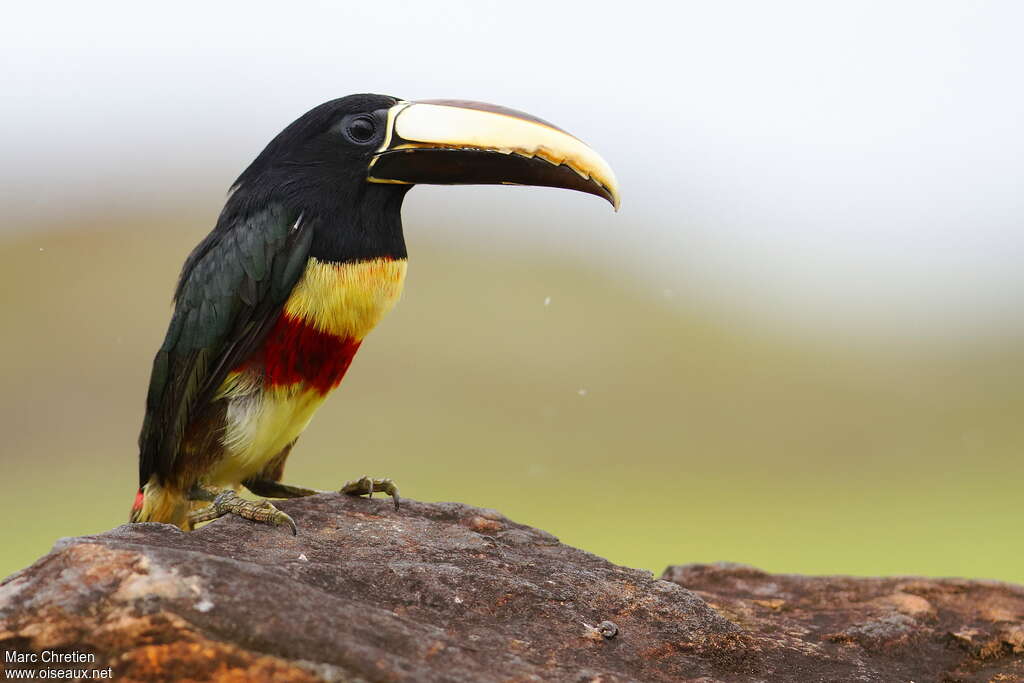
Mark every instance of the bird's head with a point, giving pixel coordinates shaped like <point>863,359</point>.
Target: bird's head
<point>347,148</point>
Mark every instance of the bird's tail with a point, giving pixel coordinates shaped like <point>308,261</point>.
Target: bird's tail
<point>156,503</point>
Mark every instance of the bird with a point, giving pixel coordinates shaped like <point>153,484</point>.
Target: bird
<point>305,258</point>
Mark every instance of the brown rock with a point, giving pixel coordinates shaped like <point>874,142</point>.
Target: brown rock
<point>447,592</point>
<point>889,629</point>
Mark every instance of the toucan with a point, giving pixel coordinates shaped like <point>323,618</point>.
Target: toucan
<point>305,258</point>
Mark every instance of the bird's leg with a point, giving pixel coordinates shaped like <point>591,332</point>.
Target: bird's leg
<point>202,493</point>
<point>358,487</point>
<point>228,502</point>
<point>367,486</point>
<point>275,489</point>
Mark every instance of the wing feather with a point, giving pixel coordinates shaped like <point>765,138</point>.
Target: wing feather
<point>231,291</point>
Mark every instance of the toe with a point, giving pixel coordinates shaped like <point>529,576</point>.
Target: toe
<point>284,519</point>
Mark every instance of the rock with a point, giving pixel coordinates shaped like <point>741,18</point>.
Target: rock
<point>448,592</point>
<point>842,628</point>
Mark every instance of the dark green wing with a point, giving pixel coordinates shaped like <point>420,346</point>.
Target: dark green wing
<point>231,291</point>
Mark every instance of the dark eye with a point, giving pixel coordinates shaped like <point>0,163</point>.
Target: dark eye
<point>361,129</point>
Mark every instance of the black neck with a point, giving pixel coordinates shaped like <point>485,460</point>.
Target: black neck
<point>351,221</point>
<point>369,228</point>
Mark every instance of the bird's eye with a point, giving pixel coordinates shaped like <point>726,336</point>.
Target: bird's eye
<point>361,129</point>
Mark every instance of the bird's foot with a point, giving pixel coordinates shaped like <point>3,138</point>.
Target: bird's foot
<point>229,503</point>
<point>367,486</point>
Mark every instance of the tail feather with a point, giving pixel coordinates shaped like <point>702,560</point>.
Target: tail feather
<point>155,503</point>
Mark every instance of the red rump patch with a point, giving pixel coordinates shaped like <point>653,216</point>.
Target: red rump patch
<point>139,500</point>
<point>297,352</point>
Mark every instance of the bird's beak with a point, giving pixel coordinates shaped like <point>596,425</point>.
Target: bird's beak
<point>456,142</point>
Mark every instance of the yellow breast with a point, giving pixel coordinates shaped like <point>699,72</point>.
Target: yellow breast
<point>347,299</point>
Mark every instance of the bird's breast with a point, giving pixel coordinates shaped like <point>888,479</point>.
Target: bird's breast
<point>273,394</point>
<point>346,300</point>
<point>329,312</point>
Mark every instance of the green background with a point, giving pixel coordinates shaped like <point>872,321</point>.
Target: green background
<point>629,421</point>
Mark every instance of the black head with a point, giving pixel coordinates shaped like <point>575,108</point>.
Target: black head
<point>325,151</point>
<point>317,167</point>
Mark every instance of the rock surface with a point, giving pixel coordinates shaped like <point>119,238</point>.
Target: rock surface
<point>448,592</point>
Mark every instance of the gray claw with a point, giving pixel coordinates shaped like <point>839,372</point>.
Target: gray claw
<point>284,518</point>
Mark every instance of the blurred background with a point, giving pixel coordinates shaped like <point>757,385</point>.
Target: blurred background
<point>798,345</point>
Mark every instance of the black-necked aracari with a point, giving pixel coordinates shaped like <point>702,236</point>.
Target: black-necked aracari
<point>306,257</point>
